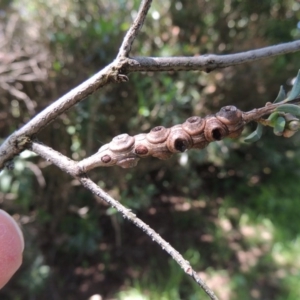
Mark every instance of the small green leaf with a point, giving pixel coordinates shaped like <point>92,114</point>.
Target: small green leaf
<point>273,117</point>
<point>255,135</point>
<point>279,125</point>
<point>289,108</point>
<point>281,95</point>
<point>295,92</point>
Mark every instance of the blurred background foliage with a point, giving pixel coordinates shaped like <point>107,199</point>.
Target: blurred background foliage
<point>231,209</point>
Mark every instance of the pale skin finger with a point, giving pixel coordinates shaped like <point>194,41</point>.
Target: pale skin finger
<point>11,247</point>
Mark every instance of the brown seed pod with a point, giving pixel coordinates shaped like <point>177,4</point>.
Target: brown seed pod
<point>232,118</point>
<point>194,125</point>
<point>230,115</point>
<point>214,130</point>
<point>142,146</point>
<point>158,134</point>
<point>121,143</point>
<point>178,140</point>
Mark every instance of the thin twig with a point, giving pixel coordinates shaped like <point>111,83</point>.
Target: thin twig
<point>257,113</point>
<point>195,133</point>
<point>66,164</point>
<point>134,29</point>
<point>208,62</point>
<point>71,167</point>
<point>125,149</point>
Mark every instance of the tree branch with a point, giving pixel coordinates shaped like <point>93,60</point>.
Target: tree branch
<point>208,62</point>
<point>71,167</point>
<point>134,29</point>
<point>12,145</point>
<point>125,150</point>
<point>116,72</point>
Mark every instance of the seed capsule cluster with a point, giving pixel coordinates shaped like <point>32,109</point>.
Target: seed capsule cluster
<point>125,150</point>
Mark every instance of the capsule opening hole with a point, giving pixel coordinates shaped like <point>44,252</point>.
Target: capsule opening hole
<point>217,134</point>
<point>180,145</point>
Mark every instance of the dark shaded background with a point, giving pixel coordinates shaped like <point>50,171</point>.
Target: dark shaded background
<point>232,209</point>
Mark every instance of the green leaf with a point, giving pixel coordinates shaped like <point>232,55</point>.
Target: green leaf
<point>255,135</point>
<point>295,92</point>
<point>289,108</point>
<point>279,125</point>
<point>273,117</point>
<point>281,95</point>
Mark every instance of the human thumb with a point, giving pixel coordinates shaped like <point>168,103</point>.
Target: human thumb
<point>11,247</point>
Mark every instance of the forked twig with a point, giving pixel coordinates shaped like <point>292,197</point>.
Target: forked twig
<point>71,167</point>
<point>179,138</point>
<point>229,122</point>
<point>116,72</point>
